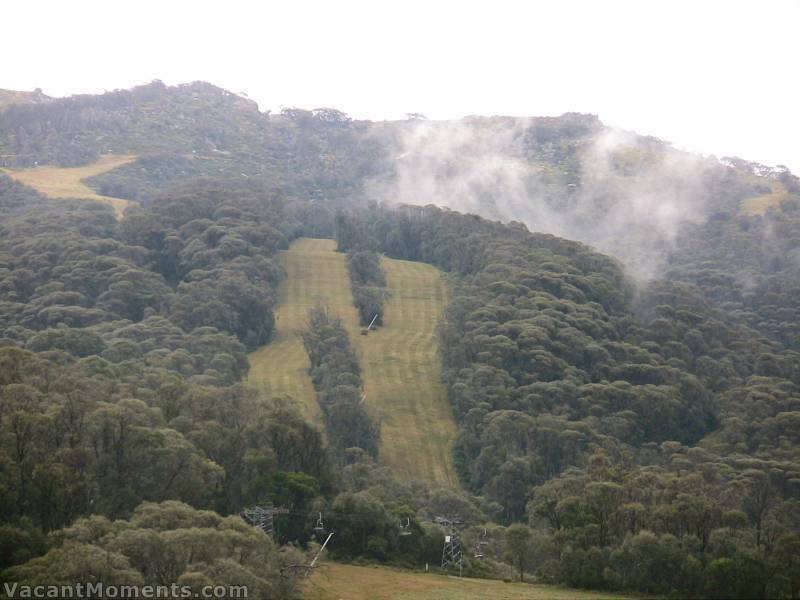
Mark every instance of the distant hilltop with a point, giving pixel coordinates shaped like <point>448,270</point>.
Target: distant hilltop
<point>9,97</point>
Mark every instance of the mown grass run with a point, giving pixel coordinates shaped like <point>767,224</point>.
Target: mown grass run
<point>401,367</point>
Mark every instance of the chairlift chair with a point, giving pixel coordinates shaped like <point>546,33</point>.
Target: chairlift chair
<point>319,528</point>
<point>480,544</point>
<point>404,529</point>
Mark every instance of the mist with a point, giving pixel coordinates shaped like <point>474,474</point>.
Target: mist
<point>621,193</point>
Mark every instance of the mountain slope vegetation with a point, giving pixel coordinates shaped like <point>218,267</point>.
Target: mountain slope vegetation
<point>624,421</point>
<point>123,357</point>
<point>571,393</point>
<point>187,131</point>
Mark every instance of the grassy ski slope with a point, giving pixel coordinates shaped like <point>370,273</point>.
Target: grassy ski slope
<point>400,364</point>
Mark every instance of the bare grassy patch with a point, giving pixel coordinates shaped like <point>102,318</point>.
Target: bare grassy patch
<point>58,182</point>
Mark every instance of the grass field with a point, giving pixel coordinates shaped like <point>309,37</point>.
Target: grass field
<point>400,364</point>
<point>57,182</point>
<point>760,204</point>
<point>346,582</point>
<point>402,375</point>
<point>315,275</point>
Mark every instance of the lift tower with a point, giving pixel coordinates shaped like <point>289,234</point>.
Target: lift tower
<point>451,551</point>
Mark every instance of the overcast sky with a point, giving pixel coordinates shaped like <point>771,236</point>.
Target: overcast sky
<point>713,77</point>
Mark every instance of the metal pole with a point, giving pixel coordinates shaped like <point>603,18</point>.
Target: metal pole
<point>372,322</point>
<point>313,562</point>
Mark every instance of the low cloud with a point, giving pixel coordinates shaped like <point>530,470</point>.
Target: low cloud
<point>619,192</point>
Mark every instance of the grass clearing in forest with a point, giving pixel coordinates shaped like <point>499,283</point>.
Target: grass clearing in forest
<point>401,367</point>
<point>402,375</point>
<point>67,182</point>
<point>315,275</point>
<point>758,205</point>
<point>334,581</point>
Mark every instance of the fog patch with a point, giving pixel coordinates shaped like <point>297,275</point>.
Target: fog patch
<point>621,193</point>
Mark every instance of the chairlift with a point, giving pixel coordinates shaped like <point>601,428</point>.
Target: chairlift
<point>319,528</point>
<point>404,529</point>
<point>479,546</point>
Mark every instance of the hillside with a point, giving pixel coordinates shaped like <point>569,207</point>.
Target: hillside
<point>626,194</point>
<point>185,131</point>
<point>600,388</point>
<point>150,119</point>
<point>399,360</point>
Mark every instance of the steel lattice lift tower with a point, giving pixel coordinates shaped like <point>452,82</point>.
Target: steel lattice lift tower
<point>451,551</point>
<point>263,517</point>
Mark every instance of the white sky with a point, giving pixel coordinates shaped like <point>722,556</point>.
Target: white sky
<point>717,77</point>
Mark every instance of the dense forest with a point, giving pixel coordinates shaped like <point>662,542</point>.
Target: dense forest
<point>615,432</point>
<point>122,358</point>
<point>623,425</point>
